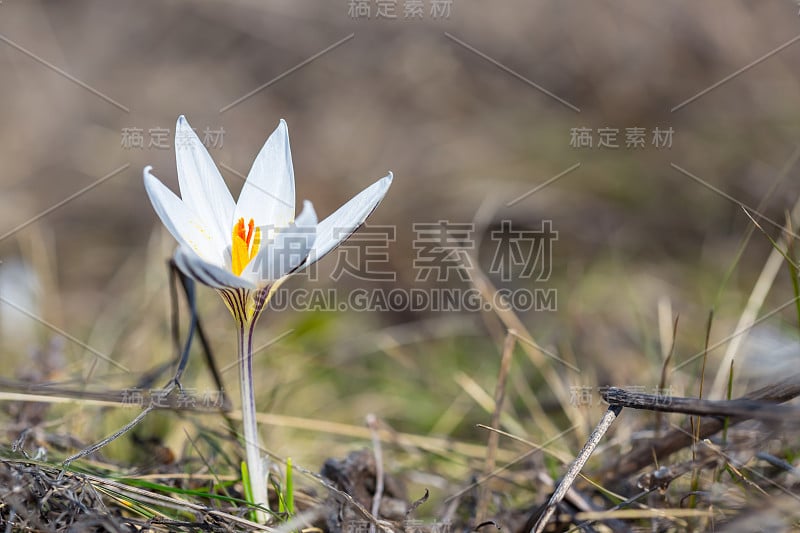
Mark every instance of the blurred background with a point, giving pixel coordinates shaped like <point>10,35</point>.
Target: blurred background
<point>483,111</point>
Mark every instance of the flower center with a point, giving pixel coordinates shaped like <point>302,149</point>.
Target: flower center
<point>245,245</point>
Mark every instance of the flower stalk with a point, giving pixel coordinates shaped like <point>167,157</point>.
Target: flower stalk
<point>255,465</point>
<point>246,307</point>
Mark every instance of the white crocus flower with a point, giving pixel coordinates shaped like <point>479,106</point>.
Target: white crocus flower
<point>246,249</point>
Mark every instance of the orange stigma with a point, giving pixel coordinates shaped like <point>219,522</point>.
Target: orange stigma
<point>245,245</point>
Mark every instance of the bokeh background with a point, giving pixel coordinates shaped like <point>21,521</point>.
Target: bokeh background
<point>432,98</point>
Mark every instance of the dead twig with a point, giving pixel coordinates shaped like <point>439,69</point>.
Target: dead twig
<point>576,467</point>
<point>696,406</point>
<point>642,455</point>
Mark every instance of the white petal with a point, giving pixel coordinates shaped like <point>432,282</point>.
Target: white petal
<point>347,219</point>
<point>268,194</point>
<point>202,186</point>
<point>182,222</point>
<point>207,273</point>
<point>307,217</point>
<point>287,251</point>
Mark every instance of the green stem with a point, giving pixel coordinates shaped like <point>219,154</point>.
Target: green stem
<point>246,307</point>
<point>255,466</point>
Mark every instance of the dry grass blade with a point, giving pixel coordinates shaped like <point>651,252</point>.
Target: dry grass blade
<point>434,444</point>
<point>561,457</point>
<point>14,390</point>
<point>535,448</point>
<point>665,367</point>
<point>542,361</point>
<point>630,514</point>
<point>486,402</point>
<point>491,446</point>
<point>748,317</point>
<point>377,450</point>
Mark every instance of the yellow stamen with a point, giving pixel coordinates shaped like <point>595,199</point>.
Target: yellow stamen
<point>244,245</point>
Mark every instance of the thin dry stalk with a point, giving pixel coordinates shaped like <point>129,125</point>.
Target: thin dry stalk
<point>664,370</point>
<point>372,424</point>
<point>575,468</point>
<point>494,438</point>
